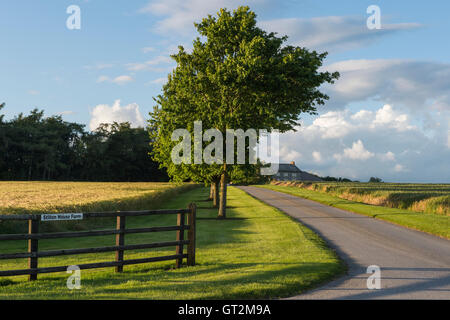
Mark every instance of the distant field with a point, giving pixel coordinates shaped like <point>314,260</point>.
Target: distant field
<point>427,198</point>
<point>257,253</point>
<point>51,197</point>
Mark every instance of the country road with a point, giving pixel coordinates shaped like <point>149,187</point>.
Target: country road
<point>414,265</point>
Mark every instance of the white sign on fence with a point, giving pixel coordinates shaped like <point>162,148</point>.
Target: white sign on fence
<point>61,216</point>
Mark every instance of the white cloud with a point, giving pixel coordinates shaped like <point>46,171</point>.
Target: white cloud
<point>159,81</point>
<point>356,152</point>
<point>339,124</point>
<point>104,113</point>
<point>150,65</point>
<point>33,92</point>
<point>117,80</point>
<point>416,85</point>
<point>289,154</point>
<point>362,115</point>
<point>122,79</point>
<point>388,156</point>
<point>331,125</point>
<point>333,33</point>
<point>387,116</point>
<point>317,156</point>
<point>178,16</point>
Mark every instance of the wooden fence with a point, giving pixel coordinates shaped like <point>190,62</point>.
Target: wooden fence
<point>33,236</point>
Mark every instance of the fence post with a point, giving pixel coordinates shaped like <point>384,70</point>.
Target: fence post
<point>191,234</point>
<point>33,228</point>
<point>120,241</point>
<point>180,237</point>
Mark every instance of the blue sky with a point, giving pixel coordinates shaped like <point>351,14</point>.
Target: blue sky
<point>389,112</point>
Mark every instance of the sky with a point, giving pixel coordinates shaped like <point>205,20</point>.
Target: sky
<point>388,115</point>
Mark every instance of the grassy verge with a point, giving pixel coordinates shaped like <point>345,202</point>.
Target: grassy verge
<point>258,252</point>
<point>431,223</point>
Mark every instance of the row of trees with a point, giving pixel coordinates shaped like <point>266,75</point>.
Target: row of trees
<point>340,179</point>
<point>34,147</point>
<point>237,77</point>
<point>334,179</point>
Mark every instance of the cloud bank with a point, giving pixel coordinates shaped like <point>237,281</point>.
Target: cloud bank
<point>416,85</point>
<point>104,113</point>
<point>178,16</point>
<point>334,33</point>
<point>384,143</point>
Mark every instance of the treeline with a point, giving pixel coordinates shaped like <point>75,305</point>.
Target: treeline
<point>340,179</point>
<point>34,147</point>
<point>334,179</point>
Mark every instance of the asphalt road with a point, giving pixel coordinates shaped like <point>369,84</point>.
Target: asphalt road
<point>413,265</point>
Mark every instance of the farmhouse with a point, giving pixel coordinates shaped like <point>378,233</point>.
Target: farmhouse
<point>290,172</point>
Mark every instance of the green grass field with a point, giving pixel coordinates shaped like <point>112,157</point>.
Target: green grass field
<point>426,198</point>
<point>258,252</point>
<point>428,222</point>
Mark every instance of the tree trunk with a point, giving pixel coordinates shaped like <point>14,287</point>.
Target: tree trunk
<point>29,169</point>
<point>216,194</point>
<point>211,191</point>
<point>223,194</point>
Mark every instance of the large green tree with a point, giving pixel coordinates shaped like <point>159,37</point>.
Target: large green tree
<point>237,76</point>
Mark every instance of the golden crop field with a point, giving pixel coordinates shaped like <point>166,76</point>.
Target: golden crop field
<point>52,197</point>
<point>427,198</point>
<point>38,197</point>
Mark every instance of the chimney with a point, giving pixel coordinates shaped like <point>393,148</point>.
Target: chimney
<point>293,163</point>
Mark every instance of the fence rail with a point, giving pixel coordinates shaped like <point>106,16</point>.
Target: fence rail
<point>33,236</point>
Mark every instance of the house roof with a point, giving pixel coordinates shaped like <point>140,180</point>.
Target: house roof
<point>304,176</point>
<point>288,167</point>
